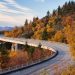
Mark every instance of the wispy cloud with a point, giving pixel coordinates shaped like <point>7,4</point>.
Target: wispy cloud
<point>17,6</point>
<point>13,13</point>
<point>40,0</point>
<point>5,18</point>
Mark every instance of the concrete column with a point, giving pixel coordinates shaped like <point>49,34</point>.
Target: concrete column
<point>14,47</point>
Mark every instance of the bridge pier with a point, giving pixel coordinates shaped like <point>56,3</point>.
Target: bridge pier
<point>14,47</point>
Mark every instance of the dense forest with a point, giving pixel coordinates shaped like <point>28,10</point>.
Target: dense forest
<point>58,26</point>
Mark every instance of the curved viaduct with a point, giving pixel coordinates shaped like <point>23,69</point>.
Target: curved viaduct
<point>62,60</point>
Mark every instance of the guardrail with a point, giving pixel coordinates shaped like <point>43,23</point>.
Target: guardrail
<point>29,64</point>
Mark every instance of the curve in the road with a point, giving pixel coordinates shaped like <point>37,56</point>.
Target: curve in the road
<point>62,60</point>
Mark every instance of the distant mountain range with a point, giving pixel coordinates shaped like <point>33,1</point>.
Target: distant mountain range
<point>6,28</point>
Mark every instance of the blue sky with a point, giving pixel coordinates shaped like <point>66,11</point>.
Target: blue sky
<point>14,12</point>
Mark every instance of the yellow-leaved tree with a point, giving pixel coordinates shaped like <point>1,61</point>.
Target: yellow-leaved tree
<point>58,36</point>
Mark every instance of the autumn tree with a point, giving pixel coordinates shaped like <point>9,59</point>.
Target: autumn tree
<point>58,23</point>
<point>4,57</point>
<point>37,54</point>
<point>59,37</point>
<point>69,71</point>
<point>37,34</point>
<point>70,36</point>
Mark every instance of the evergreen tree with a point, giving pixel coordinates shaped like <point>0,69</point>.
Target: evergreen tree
<point>26,45</point>
<point>26,23</point>
<point>48,13</point>
<point>59,10</point>
<point>54,13</point>
<point>58,25</point>
<point>39,46</point>
<point>44,35</point>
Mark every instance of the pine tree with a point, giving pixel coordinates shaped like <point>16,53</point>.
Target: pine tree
<point>44,35</point>
<point>26,23</point>
<point>48,13</point>
<point>54,13</point>
<point>59,10</point>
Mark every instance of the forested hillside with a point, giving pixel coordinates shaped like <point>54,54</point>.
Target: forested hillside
<point>58,26</point>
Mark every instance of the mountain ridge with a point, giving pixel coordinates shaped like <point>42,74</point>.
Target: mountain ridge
<point>6,28</point>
